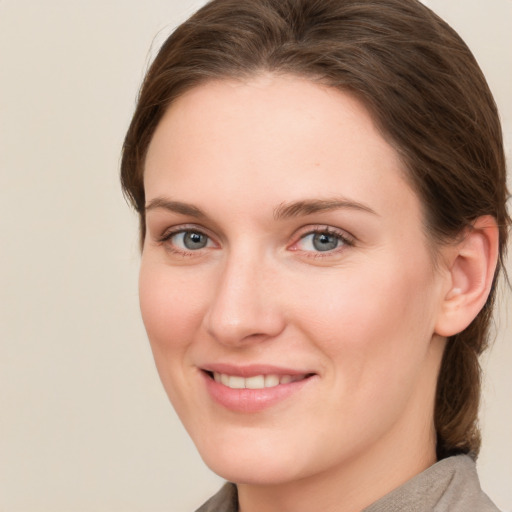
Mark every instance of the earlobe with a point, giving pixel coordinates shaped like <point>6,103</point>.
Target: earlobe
<point>471,271</point>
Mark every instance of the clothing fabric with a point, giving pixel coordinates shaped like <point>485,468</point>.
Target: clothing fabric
<point>226,500</point>
<point>450,485</point>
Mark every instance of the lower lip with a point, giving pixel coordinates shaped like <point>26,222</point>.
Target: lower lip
<point>251,400</point>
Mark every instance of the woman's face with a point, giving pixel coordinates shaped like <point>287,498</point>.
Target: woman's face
<point>286,284</point>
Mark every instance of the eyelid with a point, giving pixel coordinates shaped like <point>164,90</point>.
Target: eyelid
<point>179,228</point>
<point>172,231</point>
<point>347,239</point>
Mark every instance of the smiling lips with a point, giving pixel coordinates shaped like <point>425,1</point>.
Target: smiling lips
<point>254,391</point>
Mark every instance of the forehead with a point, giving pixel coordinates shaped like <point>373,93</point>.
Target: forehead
<point>267,105</point>
<point>281,137</point>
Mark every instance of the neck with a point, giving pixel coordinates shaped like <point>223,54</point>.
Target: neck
<point>351,487</point>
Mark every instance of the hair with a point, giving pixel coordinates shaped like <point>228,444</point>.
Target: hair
<point>423,88</point>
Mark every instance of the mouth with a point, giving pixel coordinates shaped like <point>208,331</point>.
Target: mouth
<point>256,387</point>
<point>256,381</point>
<point>253,389</point>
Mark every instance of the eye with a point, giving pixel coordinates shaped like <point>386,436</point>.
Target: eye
<point>191,240</point>
<point>321,240</point>
<point>187,240</point>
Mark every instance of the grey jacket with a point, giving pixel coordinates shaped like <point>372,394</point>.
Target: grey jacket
<point>451,485</point>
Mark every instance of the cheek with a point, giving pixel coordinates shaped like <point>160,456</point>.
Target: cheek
<point>170,306</point>
<point>373,317</point>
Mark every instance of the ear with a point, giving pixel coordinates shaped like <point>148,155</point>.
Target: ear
<point>471,266</point>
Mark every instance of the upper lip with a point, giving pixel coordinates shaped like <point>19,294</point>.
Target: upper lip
<point>252,370</point>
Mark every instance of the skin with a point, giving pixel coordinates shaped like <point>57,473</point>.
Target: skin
<point>362,317</point>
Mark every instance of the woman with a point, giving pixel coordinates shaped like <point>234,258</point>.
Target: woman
<point>321,192</point>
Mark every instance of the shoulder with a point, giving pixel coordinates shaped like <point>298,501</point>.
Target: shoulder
<point>451,485</point>
<point>464,493</point>
<point>226,500</point>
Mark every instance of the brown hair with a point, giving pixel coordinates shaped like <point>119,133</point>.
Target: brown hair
<point>424,89</point>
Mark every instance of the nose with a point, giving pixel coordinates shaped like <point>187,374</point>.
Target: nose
<point>244,308</point>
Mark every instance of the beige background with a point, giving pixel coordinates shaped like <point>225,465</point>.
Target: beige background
<point>84,423</point>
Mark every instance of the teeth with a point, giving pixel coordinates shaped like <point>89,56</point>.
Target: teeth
<point>236,382</point>
<point>271,381</point>
<point>256,382</point>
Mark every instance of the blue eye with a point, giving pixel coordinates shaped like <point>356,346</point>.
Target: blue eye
<point>190,240</point>
<point>322,241</point>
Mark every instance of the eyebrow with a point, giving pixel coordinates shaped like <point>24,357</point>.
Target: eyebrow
<point>175,207</point>
<point>311,206</point>
<point>283,211</point>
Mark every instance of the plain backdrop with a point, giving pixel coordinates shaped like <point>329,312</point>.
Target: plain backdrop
<point>84,423</point>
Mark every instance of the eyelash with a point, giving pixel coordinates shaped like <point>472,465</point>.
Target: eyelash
<point>169,234</point>
<point>344,238</point>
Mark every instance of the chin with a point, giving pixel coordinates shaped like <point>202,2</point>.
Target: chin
<point>252,463</point>
<point>254,472</point>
